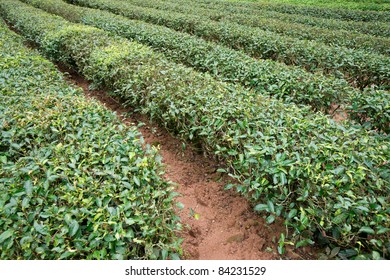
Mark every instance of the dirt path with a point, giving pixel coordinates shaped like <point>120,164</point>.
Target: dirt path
<point>218,224</point>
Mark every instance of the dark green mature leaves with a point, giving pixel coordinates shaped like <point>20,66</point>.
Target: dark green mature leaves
<point>5,235</point>
<point>269,20</point>
<point>362,67</point>
<point>74,182</point>
<point>292,84</point>
<point>311,169</point>
<point>380,29</point>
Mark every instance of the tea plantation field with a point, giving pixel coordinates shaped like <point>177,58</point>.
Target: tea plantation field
<point>291,100</point>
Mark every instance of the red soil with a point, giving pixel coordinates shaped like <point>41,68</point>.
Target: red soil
<point>217,224</point>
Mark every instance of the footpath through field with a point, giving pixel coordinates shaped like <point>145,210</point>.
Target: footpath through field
<point>217,224</point>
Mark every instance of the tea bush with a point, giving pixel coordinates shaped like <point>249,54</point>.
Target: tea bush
<point>358,67</point>
<point>322,177</point>
<point>74,182</point>
<point>331,13</point>
<point>291,84</point>
<point>344,38</point>
<point>376,28</point>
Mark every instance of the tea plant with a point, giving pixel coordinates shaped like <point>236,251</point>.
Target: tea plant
<point>322,177</point>
<point>324,12</point>
<point>74,182</point>
<point>344,38</point>
<point>291,84</point>
<point>376,28</point>
<point>359,67</point>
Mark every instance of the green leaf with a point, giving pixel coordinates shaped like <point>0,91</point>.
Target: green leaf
<point>304,242</point>
<point>39,250</point>
<point>5,235</point>
<point>382,230</point>
<point>367,230</point>
<point>73,227</point>
<point>164,254</point>
<point>270,219</point>
<point>136,181</point>
<point>175,257</point>
<point>25,202</point>
<point>179,205</point>
<point>129,234</point>
<point>340,218</point>
<point>40,228</point>
<point>365,209</point>
<point>117,256</point>
<point>26,239</point>
<point>322,257</point>
<point>271,207</point>
<point>283,179</point>
<point>348,253</point>
<point>28,187</point>
<point>261,207</point>
<point>338,170</point>
<point>281,249</point>
<point>334,252</point>
<point>66,255</point>
<point>304,219</point>
<point>3,159</point>
<point>376,255</point>
<point>292,214</point>
<point>361,257</point>
<point>376,242</point>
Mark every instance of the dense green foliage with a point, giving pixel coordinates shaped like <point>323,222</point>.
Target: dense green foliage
<point>359,67</point>
<point>374,28</point>
<point>74,182</point>
<point>325,12</point>
<point>376,5</point>
<point>344,38</point>
<point>292,84</point>
<point>320,176</point>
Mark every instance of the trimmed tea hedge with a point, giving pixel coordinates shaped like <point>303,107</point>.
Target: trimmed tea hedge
<point>359,67</point>
<point>374,28</point>
<point>331,13</point>
<point>291,84</point>
<point>362,5</point>
<point>321,176</point>
<point>74,182</point>
<point>344,38</point>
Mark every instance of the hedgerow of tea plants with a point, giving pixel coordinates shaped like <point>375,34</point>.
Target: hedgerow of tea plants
<point>376,28</point>
<point>359,67</point>
<point>324,12</point>
<point>74,182</point>
<point>321,176</point>
<point>291,84</point>
<point>344,38</point>
<point>363,5</point>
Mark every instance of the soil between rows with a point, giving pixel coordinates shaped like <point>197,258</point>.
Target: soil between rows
<point>217,224</point>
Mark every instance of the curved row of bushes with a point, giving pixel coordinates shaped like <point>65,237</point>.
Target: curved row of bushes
<point>379,29</point>
<point>359,67</point>
<point>74,182</point>
<point>331,13</point>
<point>317,174</point>
<point>344,38</point>
<point>291,84</point>
<point>362,5</point>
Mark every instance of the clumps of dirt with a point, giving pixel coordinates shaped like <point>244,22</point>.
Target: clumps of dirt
<point>217,224</point>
